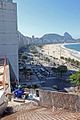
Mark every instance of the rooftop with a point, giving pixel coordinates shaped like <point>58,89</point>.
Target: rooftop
<point>31,111</point>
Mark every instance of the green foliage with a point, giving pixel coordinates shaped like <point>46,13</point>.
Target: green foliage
<point>62,57</point>
<point>24,57</point>
<point>27,72</point>
<point>47,59</point>
<point>54,64</point>
<point>33,49</point>
<point>62,69</point>
<point>41,46</point>
<point>54,69</point>
<point>75,78</point>
<point>73,62</point>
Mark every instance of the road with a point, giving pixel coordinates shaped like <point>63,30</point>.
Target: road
<point>43,75</point>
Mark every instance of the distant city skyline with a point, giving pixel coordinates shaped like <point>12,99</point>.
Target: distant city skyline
<point>39,17</point>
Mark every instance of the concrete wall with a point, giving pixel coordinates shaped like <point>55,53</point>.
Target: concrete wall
<point>8,33</point>
<point>7,77</point>
<point>59,100</point>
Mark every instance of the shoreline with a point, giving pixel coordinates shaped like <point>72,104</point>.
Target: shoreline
<point>73,52</point>
<point>58,50</point>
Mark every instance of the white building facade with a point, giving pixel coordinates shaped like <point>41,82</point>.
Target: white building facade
<point>8,33</point>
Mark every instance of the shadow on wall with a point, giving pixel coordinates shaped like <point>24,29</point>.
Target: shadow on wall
<point>59,100</point>
<point>13,79</point>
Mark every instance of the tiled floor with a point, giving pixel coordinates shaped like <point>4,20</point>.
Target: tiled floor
<point>31,112</point>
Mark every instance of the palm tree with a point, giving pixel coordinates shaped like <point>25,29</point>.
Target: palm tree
<point>62,69</point>
<point>25,72</point>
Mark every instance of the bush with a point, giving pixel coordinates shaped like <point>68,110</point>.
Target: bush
<point>75,78</point>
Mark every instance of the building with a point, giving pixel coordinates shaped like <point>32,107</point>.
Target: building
<point>8,33</point>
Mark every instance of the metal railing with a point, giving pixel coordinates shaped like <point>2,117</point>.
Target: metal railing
<point>3,63</point>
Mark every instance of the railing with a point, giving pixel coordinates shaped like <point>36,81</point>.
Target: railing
<point>4,72</point>
<point>3,62</point>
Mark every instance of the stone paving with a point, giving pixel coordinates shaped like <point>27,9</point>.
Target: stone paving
<point>32,111</point>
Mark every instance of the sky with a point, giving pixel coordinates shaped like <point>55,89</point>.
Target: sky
<point>39,17</point>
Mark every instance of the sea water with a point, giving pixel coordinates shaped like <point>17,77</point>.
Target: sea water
<point>73,46</point>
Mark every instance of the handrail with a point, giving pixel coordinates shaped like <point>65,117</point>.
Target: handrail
<point>2,83</point>
<point>4,73</point>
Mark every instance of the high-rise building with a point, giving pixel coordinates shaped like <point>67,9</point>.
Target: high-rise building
<point>8,33</point>
<point>6,0</point>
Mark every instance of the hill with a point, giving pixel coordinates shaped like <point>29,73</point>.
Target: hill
<point>46,39</point>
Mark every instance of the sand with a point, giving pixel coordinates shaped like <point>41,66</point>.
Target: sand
<point>58,50</point>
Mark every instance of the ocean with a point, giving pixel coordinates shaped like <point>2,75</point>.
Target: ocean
<point>73,46</point>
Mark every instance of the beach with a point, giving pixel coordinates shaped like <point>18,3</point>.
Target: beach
<point>58,50</point>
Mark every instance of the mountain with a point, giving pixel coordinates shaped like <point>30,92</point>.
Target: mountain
<point>55,38</point>
<point>50,38</point>
<point>47,38</point>
<point>67,35</point>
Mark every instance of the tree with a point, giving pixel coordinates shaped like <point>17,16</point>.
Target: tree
<point>62,57</point>
<point>25,72</point>
<point>54,69</point>
<point>24,57</point>
<point>72,61</point>
<point>68,59</point>
<point>62,69</point>
<point>77,63</point>
<point>75,78</point>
